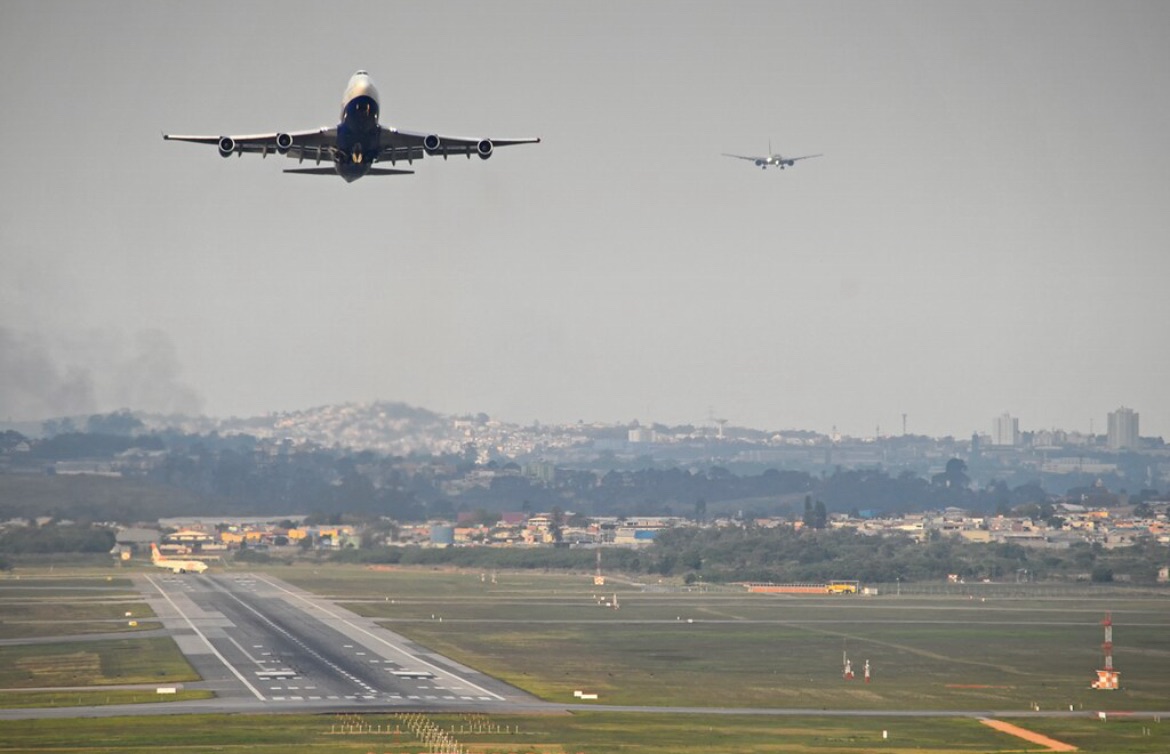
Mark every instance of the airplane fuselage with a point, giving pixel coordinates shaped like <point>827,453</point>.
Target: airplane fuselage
<point>358,135</point>
<point>175,566</point>
<point>775,161</point>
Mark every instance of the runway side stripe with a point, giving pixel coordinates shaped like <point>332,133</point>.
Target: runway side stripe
<point>206,641</point>
<point>353,625</point>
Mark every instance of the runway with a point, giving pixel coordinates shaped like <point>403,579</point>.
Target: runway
<point>256,639</point>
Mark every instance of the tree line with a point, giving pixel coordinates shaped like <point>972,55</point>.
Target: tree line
<point>735,554</point>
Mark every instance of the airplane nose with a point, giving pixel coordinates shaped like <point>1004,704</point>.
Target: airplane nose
<point>362,87</point>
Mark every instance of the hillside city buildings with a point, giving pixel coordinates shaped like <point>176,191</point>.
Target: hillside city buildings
<point>1056,459</point>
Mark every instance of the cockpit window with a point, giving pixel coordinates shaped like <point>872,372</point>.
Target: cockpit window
<point>361,73</point>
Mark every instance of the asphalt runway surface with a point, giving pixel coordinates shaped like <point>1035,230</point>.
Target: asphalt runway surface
<point>256,638</point>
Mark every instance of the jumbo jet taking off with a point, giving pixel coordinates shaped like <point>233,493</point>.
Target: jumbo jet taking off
<point>177,566</point>
<point>356,143</point>
<point>775,160</point>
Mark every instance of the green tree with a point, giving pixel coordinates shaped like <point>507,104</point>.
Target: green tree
<point>556,526</point>
<point>954,477</point>
<point>820,515</point>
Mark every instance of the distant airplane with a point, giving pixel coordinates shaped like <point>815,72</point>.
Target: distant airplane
<point>177,566</point>
<point>356,143</point>
<point>775,160</point>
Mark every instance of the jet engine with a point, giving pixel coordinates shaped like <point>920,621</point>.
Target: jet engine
<point>431,143</point>
<point>283,142</point>
<point>227,145</point>
<point>484,148</point>
<point>759,163</point>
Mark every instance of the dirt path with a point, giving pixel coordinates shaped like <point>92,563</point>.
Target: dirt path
<point>1027,735</point>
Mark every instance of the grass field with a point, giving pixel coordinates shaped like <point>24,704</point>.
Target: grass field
<point>65,582</point>
<point>93,663</point>
<point>61,698</point>
<point>549,636</point>
<point>592,733</point>
<point>61,617</point>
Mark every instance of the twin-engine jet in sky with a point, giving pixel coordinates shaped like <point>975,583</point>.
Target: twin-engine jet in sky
<point>355,144</point>
<point>775,160</point>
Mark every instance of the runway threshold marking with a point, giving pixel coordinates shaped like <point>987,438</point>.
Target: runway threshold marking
<point>247,654</point>
<point>374,636</point>
<point>206,641</point>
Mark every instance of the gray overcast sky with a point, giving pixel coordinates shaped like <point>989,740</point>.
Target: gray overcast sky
<point>987,231</point>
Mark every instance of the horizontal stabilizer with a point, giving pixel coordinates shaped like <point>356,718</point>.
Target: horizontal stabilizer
<point>331,171</point>
<point>389,171</point>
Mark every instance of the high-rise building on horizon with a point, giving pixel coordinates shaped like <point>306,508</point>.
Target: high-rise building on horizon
<point>1005,430</point>
<point>1123,429</point>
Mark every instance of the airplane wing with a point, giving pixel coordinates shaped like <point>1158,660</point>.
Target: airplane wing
<point>319,145</point>
<point>412,145</point>
<point>316,144</point>
<point>806,157</point>
<point>743,157</point>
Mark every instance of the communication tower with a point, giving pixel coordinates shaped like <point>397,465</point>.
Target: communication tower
<point>1108,679</point>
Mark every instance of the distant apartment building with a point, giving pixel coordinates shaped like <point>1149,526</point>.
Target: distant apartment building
<point>1005,430</point>
<point>640,434</point>
<point>1123,429</point>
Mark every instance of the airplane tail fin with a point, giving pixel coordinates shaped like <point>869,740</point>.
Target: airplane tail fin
<point>155,555</point>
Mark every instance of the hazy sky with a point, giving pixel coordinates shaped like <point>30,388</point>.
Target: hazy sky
<point>988,231</point>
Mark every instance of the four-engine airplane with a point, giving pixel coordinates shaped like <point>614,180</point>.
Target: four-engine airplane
<point>176,566</point>
<point>775,160</point>
<point>355,144</point>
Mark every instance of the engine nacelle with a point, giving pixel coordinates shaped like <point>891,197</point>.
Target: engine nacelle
<point>484,149</point>
<point>283,142</point>
<point>227,145</point>
<point>760,163</point>
<point>431,143</point>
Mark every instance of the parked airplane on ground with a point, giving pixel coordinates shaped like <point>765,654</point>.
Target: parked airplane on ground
<point>356,143</point>
<point>178,566</point>
<point>775,160</point>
